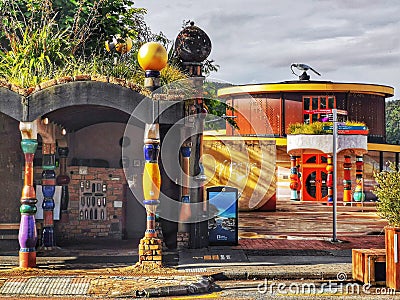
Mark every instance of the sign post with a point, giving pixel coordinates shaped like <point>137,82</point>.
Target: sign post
<point>334,190</point>
<point>344,130</point>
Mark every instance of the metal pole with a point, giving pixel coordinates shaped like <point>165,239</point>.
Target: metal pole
<point>334,188</point>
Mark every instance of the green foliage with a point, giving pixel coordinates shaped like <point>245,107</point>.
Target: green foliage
<point>354,123</point>
<point>172,73</point>
<point>88,23</point>
<point>215,107</point>
<point>393,122</point>
<point>316,127</point>
<point>46,39</point>
<point>36,55</point>
<point>388,193</point>
<point>302,128</point>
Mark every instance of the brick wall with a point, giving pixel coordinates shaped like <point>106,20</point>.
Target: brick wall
<point>11,170</point>
<point>113,224</point>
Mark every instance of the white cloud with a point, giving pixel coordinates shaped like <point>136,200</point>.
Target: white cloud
<point>257,40</point>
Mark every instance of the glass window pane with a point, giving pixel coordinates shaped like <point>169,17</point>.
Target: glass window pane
<point>331,102</point>
<point>315,118</point>
<point>312,159</point>
<point>324,187</point>
<point>387,157</point>
<point>306,103</point>
<point>314,103</point>
<point>322,103</point>
<point>371,165</point>
<point>311,184</point>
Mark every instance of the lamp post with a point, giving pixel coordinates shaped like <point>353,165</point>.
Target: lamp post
<point>152,57</point>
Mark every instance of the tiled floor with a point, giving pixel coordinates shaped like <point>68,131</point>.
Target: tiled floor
<point>310,221</point>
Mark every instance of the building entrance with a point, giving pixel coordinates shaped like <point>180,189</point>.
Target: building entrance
<point>314,177</point>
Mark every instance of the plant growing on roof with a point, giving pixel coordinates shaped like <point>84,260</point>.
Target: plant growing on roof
<point>49,39</point>
<point>317,127</point>
<point>388,192</point>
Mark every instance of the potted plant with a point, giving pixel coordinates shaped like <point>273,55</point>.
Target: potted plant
<point>388,207</point>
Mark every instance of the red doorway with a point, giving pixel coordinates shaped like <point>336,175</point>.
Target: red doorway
<point>314,177</point>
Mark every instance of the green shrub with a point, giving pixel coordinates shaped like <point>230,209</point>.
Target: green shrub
<point>388,192</point>
<point>316,127</point>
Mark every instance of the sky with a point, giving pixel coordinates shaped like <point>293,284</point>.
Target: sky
<point>256,41</point>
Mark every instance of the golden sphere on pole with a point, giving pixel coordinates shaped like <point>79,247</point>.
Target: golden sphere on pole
<point>152,56</point>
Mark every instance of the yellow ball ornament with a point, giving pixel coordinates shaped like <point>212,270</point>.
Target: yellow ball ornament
<point>152,56</point>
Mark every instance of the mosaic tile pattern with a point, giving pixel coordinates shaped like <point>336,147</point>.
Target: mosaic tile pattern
<point>45,286</point>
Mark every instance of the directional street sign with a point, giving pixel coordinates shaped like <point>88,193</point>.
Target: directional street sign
<point>347,129</point>
<point>325,111</point>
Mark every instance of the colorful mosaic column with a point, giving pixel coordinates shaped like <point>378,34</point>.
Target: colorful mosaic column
<point>63,180</point>
<point>48,190</point>
<point>294,180</point>
<point>185,212</point>
<point>47,132</point>
<point>347,179</point>
<point>299,185</point>
<point>27,236</point>
<point>358,195</point>
<point>329,179</point>
<point>152,58</point>
<point>150,248</point>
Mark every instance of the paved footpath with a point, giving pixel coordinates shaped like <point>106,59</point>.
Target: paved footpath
<point>290,244</point>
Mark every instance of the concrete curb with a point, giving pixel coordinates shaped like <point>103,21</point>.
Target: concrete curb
<point>201,287</point>
<point>238,275</point>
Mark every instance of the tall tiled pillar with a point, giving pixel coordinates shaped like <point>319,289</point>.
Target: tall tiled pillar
<point>152,58</point>
<point>347,165</point>
<point>185,209</point>
<point>63,180</point>
<point>329,180</point>
<point>185,194</point>
<point>299,185</point>
<point>27,236</point>
<point>358,192</point>
<point>294,180</point>
<point>150,247</point>
<point>47,132</point>
<point>48,190</point>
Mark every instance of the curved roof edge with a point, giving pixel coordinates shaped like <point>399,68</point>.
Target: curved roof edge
<point>308,86</point>
<point>67,79</point>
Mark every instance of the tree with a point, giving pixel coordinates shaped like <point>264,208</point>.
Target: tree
<point>216,107</point>
<point>44,39</point>
<point>393,122</point>
<point>87,23</point>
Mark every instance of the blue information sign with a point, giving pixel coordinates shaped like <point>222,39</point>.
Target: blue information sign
<point>223,210</point>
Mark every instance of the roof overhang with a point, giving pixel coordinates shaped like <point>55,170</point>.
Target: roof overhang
<point>308,86</point>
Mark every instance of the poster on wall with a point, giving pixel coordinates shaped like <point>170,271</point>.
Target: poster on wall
<point>57,203</point>
<point>223,210</point>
